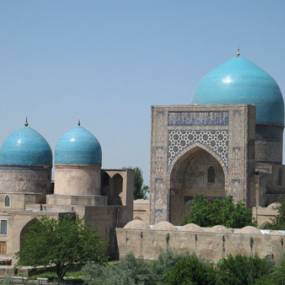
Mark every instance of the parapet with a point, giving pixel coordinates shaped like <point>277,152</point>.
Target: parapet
<point>211,243</point>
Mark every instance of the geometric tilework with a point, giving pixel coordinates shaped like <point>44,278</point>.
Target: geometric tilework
<point>216,140</point>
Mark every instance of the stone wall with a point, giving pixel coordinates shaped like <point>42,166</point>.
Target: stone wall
<point>263,215</point>
<point>212,244</point>
<point>141,210</point>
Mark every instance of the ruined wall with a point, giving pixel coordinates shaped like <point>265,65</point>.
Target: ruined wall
<point>207,243</point>
<point>141,210</point>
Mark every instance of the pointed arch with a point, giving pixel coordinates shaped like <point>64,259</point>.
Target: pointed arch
<point>193,147</point>
<point>197,171</point>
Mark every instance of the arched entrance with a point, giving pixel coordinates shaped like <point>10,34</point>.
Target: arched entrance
<point>196,172</point>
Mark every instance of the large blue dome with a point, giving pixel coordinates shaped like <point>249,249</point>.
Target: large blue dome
<point>78,146</point>
<point>239,81</point>
<point>25,147</point>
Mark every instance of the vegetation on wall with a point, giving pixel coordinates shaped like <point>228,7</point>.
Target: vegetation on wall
<point>62,243</point>
<point>223,211</point>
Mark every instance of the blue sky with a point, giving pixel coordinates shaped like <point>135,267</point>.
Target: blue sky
<point>106,62</point>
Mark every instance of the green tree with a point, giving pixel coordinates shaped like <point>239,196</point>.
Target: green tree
<point>242,270</point>
<point>140,190</point>
<point>62,243</point>
<point>218,212</point>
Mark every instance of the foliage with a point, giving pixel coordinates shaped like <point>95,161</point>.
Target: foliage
<point>128,271</point>
<point>242,270</point>
<point>219,212</point>
<point>189,270</point>
<point>277,277</point>
<point>140,190</point>
<point>7,281</point>
<point>62,242</point>
<point>279,222</point>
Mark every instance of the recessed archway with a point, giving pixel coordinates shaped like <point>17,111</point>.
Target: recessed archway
<point>196,172</point>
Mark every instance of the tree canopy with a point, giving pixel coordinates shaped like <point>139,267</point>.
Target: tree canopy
<point>141,190</point>
<point>62,243</point>
<point>223,211</point>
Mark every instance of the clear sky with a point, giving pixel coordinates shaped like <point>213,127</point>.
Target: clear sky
<point>106,62</point>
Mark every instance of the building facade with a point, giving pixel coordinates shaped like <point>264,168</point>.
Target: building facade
<point>228,142</point>
<point>102,198</point>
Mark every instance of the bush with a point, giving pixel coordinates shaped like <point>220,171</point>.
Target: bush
<point>189,270</point>
<point>128,271</point>
<point>224,211</point>
<point>242,270</point>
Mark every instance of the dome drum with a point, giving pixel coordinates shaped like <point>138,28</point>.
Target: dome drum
<point>78,180</point>
<point>35,180</point>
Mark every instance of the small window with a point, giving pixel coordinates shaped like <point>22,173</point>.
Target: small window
<point>3,247</point>
<point>3,227</point>
<point>7,202</point>
<point>211,175</point>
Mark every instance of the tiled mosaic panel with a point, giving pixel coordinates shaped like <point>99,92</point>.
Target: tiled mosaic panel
<point>215,140</point>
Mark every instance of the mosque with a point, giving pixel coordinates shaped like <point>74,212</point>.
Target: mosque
<point>102,197</point>
<point>228,142</point>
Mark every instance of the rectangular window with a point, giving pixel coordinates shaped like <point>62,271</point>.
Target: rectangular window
<point>3,227</point>
<point>3,247</point>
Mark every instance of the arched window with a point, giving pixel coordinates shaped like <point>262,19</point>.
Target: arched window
<point>211,174</point>
<point>7,202</point>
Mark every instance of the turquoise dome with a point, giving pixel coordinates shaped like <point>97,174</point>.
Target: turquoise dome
<point>239,81</point>
<point>78,146</point>
<point>25,147</point>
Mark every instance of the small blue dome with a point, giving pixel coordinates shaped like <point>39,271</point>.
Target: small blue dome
<point>25,147</point>
<point>78,146</point>
<point>239,81</point>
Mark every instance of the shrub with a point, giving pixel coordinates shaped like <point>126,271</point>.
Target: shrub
<point>224,211</point>
<point>128,271</point>
<point>189,270</point>
<point>242,270</point>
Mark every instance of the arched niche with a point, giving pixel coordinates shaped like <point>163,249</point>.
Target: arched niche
<point>195,172</point>
<point>7,201</point>
<point>117,189</point>
<point>105,183</point>
<point>25,230</point>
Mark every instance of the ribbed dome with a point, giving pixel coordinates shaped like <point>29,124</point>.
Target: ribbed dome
<point>239,81</point>
<point>78,146</point>
<point>25,147</point>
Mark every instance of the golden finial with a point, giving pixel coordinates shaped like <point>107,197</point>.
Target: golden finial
<point>238,52</point>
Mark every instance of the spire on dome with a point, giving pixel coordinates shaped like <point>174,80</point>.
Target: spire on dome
<point>238,52</point>
<point>78,123</point>
<point>26,122</point>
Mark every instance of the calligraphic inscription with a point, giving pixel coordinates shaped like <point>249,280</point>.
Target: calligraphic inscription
<point>195,118</point>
